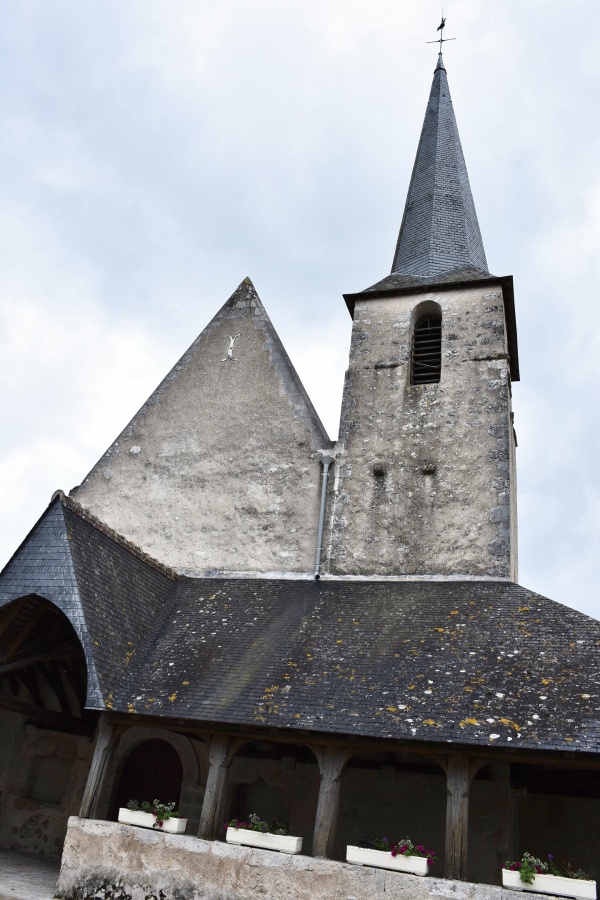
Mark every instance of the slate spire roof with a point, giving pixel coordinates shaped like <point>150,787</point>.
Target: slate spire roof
<point>439,231</point>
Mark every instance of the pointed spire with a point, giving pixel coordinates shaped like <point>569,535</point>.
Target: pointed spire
<point>439,231</point>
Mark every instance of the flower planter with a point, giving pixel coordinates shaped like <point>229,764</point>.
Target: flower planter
<point>284,843</point>
<point>173,825</point>
<point>551,884</point>
<point>361,856</point>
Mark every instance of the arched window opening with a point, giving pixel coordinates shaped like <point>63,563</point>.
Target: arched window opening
<point>153,770</point>
<point>427,350</point>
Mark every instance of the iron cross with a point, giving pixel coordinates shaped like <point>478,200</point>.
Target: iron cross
<point>441,40</point>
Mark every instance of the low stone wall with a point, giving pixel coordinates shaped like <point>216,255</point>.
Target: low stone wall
<point>107,861</point>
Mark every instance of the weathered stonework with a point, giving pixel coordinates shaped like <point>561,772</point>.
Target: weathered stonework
<point>104,861</point>
<point>425,482</point>
<point>28,822</point>
<point>219,470</point>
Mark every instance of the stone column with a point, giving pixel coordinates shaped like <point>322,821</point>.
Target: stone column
<point>105,742</point>
<point>220,755</point>
<point>331,763</point>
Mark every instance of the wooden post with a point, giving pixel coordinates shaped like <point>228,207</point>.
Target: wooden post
<point>331,763</point>
<point>105,741</point>
<point>515,798</point>
<point>220,755</point>
<point>460,771</point>
<point>458,780</point>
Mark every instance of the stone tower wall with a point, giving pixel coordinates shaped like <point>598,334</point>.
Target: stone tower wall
<point>425,481</point>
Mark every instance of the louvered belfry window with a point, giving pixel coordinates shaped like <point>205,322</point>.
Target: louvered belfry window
<point>427,350</point>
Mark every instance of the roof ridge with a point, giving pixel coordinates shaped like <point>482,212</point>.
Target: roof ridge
<point>113,535</point>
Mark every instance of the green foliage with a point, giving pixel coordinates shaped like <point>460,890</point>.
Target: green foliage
<point>529,866</point>
<point>257,824</point>
<point>381,843</point>
<point>405,847</point>
<point>161,811</point>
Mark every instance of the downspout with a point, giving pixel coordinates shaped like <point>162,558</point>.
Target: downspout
<point>327,461</point>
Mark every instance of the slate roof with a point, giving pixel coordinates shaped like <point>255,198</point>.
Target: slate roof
<point>114,595</point>
<point>478,663</point>
<point>439,230</point>
<point>43,565</point>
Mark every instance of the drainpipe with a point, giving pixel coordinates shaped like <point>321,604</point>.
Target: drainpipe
<point>327,461</point>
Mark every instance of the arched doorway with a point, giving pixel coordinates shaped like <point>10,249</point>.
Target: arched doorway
<point>45,730</point>
<point>42,666</point>
<point>152,771</point>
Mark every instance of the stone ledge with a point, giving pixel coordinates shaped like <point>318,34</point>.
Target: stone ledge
<point>107,861</point>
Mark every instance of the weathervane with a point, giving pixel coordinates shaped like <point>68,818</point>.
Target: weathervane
<point>441,40</point>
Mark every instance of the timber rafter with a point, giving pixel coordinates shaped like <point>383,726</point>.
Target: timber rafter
<point>40,659</point>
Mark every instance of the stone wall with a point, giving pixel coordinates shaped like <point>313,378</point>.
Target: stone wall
<point>42,777</point>
<point>104,861</point>
<point>219,470</point>
<point>425,478</point>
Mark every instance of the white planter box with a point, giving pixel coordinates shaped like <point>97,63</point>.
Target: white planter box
<point>361,856</point>
<point>147,820</point>
<point>551,884</point>
<point>285,843</point>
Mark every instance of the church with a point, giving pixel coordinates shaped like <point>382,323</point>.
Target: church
<point>236,613</point>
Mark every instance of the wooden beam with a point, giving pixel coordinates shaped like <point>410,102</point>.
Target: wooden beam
<point>331,763</point>
<point>457,817</point>
<point>26,661</point>
<point>76,673</point>
<point>9,617</point>
<point>53,677</point>
<point>48,718</point>
<point>220,754</point>
<point>51,636</point>
<point>29,679</point>
<point>34,618</point>
<point>460,771</point>
<point>550,758</point>
<point>105,741</point>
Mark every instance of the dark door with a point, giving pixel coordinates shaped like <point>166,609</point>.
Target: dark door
<point>152,771</point>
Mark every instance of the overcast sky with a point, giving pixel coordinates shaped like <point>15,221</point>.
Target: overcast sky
<point>153,154</point>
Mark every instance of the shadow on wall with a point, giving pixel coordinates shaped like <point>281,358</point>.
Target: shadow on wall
<point>394,796</point>
<point>277,782</point>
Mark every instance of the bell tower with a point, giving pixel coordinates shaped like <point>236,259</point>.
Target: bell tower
<point>425,478</point>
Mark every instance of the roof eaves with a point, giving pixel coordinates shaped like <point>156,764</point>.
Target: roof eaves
<point>100,526</point>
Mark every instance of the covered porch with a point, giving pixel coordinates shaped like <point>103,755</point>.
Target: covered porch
<point>476,807</point>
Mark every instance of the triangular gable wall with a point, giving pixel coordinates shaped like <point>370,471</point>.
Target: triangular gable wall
<point>219,470</point>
